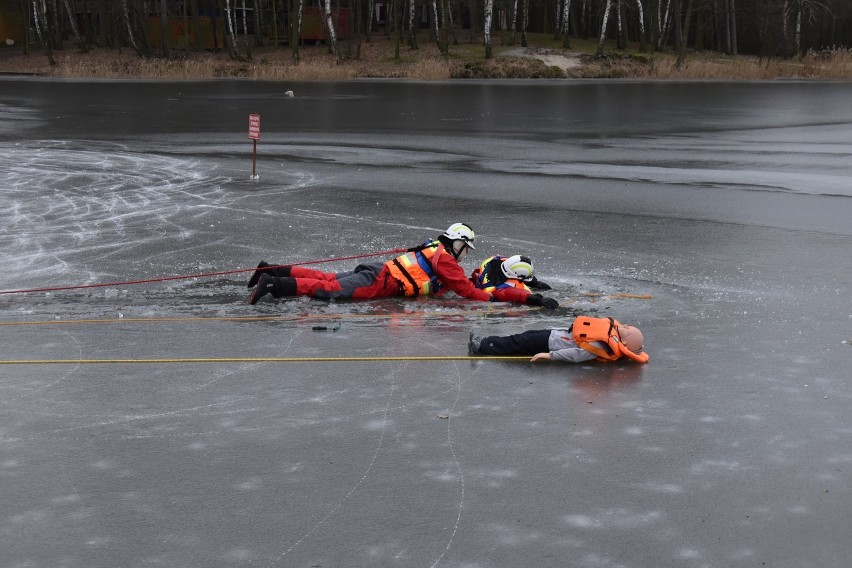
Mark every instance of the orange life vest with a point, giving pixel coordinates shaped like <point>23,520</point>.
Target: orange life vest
<point>482,277</point>
<point>586,330</point>
<point>415,270</point>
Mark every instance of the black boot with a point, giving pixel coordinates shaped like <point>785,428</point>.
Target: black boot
<point>276,286</point>
<point>263,267</point>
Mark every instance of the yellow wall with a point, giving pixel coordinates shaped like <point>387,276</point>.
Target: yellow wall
<point>12,26</point>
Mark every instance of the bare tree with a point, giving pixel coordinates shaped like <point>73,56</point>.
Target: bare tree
<point>513,23</point>
<point>607,8</point>
<point>294,28</point>
<point>258,23</point>
<point>641,21</point>
<point>72,18</point>
<point>437,28</point>
<point>412,25</point>
<point>329,26</point>
<point>684,39</point>
<point>245,31</point>
<point>566,30</point>
<point>42,29</point>
<point>489,13</point>
<point>125,13</point>
<point>731,26</point>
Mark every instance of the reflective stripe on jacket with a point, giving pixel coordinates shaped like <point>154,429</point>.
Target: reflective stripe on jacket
<point>415,270</point>
<point>489,276</point>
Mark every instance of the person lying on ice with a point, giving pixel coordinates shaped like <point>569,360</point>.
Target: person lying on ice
<point>510,279</point>
<point>588,338</point>
<point>424,270</point>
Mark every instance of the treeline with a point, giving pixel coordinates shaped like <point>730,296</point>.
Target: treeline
<point>783,28</point>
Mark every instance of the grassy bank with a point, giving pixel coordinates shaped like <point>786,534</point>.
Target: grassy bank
<point>543,58</point>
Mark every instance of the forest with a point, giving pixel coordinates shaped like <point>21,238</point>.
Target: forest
<point>159,28</point>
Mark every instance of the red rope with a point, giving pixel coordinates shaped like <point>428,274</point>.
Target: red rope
<point>200,275</point>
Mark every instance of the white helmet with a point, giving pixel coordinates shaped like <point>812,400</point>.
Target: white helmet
<point>461,232</point>
<point>518,267</point>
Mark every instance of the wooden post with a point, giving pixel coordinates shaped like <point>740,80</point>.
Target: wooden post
<point>254,135</point>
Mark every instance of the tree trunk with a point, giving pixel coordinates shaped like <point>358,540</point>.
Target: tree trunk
<point>445,25</point>
<point>678,32</point>
<point>329,26</point>
<point>684,40</point>
<point>437,29</point>
<point>799,32</point>
<point>732,26</point>
<point>607,8</point>
<point>566,29</point>
<point>231,32</point>
<point>396,28</point>
<point>245,30</point>
<point>164,27</point>
<point>642,40</point>
<point>42,31</point>
<point>412,25</point>
<point>525,22</point>
<point>258,24</point>
<point>486,28</point>
<point>72,19</point>
<point>296,29</point>
<point>513,26</point>
<point>125,14</point>
<point>371,11</point>
<point>359,21</point>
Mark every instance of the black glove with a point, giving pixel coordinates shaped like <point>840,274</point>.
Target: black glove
<point>539,300</point>
<point>537,284</point>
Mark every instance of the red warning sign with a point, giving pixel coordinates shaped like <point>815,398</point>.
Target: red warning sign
<point>254,127</point>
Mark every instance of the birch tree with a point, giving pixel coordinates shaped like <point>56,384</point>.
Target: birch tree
<point>296,28</point>
<point>231,26</point>
<point>412,25</point>
<point>607,8</point>
<point>437,29</point>
<point>125,13</point>
<point>245,31</point>
<point>42,29</point>
<point>329,26</point>
<point>641,26</point>
<point>72,18</point>
<point>566,31</point>
<point>489,12</point>
<point>513,25</point>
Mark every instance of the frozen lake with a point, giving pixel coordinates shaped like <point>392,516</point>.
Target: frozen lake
<point>717,217</point>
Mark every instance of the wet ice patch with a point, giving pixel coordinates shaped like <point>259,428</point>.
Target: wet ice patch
<point>14,119</point>
<point>618,518</point>
<point>95,201</point>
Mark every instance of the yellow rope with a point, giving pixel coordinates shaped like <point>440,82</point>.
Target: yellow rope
<point>257,360</point>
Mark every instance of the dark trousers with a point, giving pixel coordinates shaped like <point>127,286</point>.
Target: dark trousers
<point>526,343</point>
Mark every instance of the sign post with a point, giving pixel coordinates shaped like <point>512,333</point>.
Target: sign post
<point>254,135</point>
